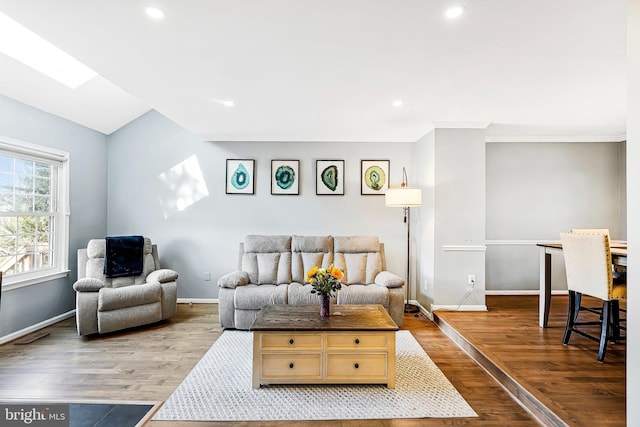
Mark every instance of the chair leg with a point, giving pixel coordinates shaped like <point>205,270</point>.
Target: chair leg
<point>604,334</point>
<point>615,320</point>
<point>572,315</point>
<point>578,301</point>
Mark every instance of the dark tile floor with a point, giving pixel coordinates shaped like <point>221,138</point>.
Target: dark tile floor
<point>106,415</point>
<point>93,414</point>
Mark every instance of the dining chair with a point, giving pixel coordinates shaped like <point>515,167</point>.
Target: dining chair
<point>619,273</point>
<point>588,266</point>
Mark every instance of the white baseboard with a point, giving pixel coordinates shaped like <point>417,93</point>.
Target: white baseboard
<point>459,307</point>
<point>423,309</point>
<point>26,331</point>
<point>524,292</point>
<point>197,300</point>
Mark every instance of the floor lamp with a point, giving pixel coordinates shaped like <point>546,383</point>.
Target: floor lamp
<point>405,198</point>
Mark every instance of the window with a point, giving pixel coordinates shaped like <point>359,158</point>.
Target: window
<point>33,213</point>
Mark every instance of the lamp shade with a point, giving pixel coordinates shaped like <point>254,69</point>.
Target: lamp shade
<point>403,197</point>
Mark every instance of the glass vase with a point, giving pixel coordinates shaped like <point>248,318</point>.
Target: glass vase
<point>325,305</point>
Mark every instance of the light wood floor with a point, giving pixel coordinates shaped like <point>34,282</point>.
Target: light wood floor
<point>148,363</point>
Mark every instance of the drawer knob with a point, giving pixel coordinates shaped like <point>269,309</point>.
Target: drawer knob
<point>356,366</point>
<point>291,341</point>
<point>291,365</point>
<point>357,341</point>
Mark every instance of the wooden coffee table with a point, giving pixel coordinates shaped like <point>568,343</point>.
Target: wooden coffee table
<point>292,344</point>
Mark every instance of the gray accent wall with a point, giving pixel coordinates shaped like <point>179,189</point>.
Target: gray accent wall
<point>24,307</point>
<point>198,233</point>
<point>537,190</point>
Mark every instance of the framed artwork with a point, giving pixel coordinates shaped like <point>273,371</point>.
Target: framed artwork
<point>285,177</point>
<point>330,177</point>
<point>240,176</point>
<point>374,177</point>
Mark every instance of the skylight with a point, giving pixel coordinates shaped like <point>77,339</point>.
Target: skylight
<point>25,46</point>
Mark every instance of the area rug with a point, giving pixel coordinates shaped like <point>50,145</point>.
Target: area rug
<point>219,389</point>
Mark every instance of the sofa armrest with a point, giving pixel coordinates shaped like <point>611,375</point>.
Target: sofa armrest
<point>234,279</point>
<point>88,284</point>
<point>163,275</point>
<point>389,280</point>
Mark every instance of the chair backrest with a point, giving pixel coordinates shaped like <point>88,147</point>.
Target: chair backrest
<point>604,231</point>
<point>587,259</point>
<point>94,268</point>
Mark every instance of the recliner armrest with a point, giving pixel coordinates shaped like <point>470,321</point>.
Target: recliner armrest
<point>389,280</point>
<point>88,284</point>
<point>234,279</point>
<point>163,275</point>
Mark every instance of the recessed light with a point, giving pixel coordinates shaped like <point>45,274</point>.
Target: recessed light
<point>397,103</point>
<point>454,12</point>
<point>25,46</point>
<point>154,12</point>
<point>225,102</point>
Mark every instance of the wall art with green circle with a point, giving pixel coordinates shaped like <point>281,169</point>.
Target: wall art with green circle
<point>240,176</point>
<point>285,177</point>
<point>374,177</point>
<point>330,177</point>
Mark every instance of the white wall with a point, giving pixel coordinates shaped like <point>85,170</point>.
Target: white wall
<point>204,237</point>
<point>452,218</point>
<point>537,190</point>
<point>27,306</point>
<point>633,212</point>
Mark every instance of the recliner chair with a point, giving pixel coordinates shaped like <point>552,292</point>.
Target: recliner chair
<point>107,304</point>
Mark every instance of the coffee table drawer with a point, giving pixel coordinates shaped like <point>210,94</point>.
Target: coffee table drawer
<point>362,366</point>
<point>291,341</point>
<point>356,341</point>
<point>283,365</point>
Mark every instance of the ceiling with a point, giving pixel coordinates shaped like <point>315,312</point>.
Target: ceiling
<point>330,70</point>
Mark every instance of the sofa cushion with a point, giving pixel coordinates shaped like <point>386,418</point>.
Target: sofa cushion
<point>359,258</point>
<point>356,244</point>
<point>262,244</point>
<point>129,296</point>
<point>300,294</point>
<point>254,297</point>
<point>358,268</point>
<point>273,268</point>
<point>364,294</point>
<point>307,252</point>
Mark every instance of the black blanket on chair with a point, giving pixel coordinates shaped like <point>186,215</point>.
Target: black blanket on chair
<point>124,256</point>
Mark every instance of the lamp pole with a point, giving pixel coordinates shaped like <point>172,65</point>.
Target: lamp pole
<point>409,308</point>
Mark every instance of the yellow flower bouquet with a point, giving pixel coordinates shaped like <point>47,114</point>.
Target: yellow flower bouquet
<point>324,281</point>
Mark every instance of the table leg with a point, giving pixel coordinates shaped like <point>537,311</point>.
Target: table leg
<point>545,287</point>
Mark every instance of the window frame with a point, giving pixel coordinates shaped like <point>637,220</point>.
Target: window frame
<point>26,150</point>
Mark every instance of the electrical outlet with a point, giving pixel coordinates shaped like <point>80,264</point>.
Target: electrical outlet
<point>471,280</point>
<point>207,276</point>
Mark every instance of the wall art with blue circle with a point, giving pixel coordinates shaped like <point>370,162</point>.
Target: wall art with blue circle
<point>240,176</point>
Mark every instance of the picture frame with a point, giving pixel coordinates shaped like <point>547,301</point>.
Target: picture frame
<point>285,177</point>
<point>240,176</point>
<point>330,177</point>
<point>374,177</point>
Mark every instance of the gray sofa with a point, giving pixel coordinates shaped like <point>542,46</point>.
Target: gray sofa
<point>271,270</point>
<point>109,304</point>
